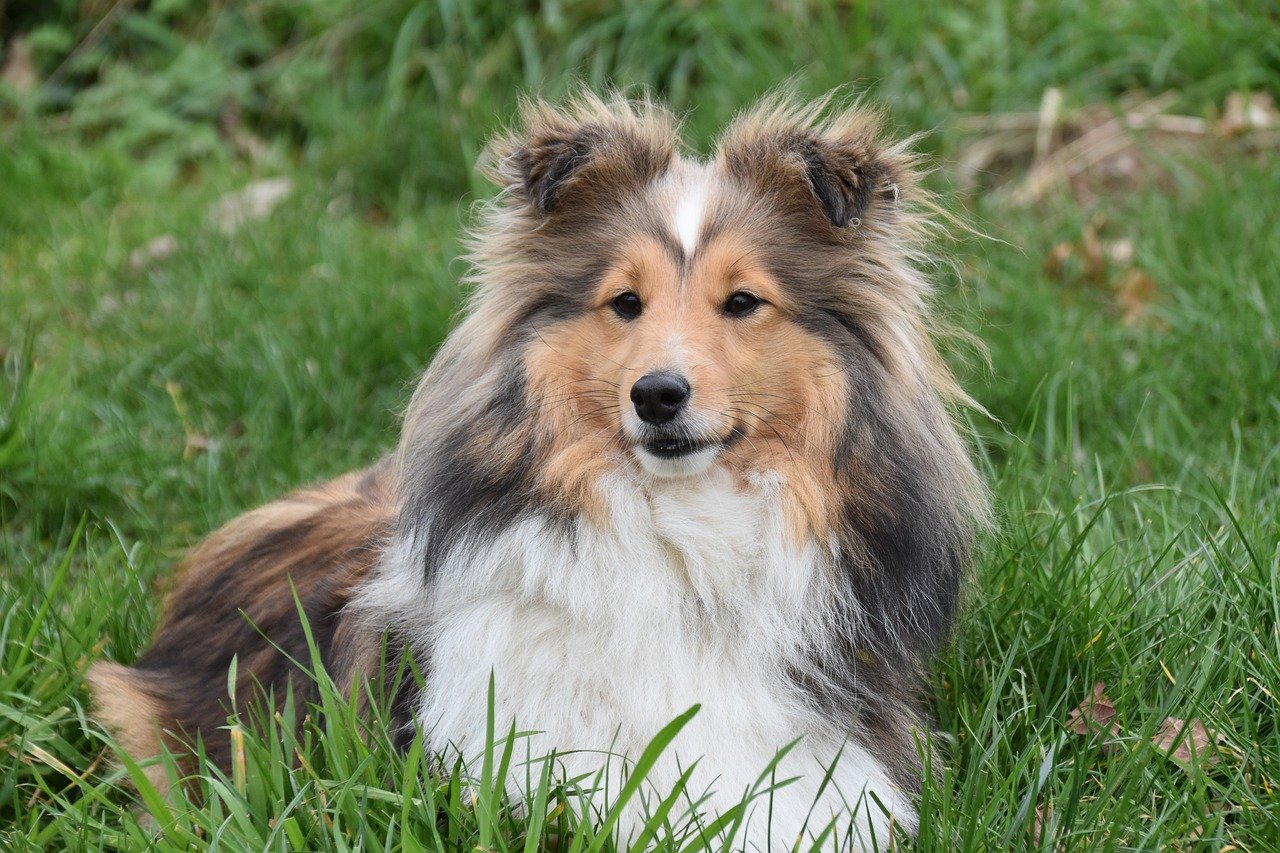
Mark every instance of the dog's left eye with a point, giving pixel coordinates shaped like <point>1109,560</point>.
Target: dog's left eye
<point>741,304</point>
<point>628,305</point>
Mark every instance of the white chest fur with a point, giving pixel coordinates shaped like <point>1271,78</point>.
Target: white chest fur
<point>598,638</point>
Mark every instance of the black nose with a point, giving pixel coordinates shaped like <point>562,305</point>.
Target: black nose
<point>659,397</point>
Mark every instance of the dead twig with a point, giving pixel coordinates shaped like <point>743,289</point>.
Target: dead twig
<point>1097,144</point>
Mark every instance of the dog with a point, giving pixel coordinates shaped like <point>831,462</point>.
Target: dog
<point>691,443</point>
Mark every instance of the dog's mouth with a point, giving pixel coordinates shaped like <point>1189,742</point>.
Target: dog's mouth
<point>676,446</point>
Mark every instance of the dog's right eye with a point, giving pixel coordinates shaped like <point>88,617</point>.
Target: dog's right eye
<point>627,305</point>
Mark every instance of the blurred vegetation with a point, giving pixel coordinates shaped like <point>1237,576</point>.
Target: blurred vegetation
<point>162,373</point>
<point>396,97</point>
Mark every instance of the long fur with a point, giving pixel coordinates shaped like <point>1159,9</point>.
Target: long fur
<point>793,575</point>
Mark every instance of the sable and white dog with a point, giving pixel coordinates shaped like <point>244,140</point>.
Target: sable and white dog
<point>690,444</point>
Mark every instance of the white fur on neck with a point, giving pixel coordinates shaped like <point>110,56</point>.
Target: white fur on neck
<point>598,638</point>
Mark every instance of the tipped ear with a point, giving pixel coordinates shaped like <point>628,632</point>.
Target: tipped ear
<point>588,147</point>
<point>541,169</point>
<point>840,166</point>
<point>844,179</point>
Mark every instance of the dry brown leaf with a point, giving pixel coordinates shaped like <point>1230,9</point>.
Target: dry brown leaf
<point>1095,145</point>
<point>1040,822</point>
<point>1095,714</point>
<point>1210,811</point>
<point>1055,262</point>
<point>1092,255</point>
<point>255,201</point>
<point>19,70</point>
<point>1246,111</point>
<point>1089,252</point>
<point>1188,743</point>
<point>1135,293</point>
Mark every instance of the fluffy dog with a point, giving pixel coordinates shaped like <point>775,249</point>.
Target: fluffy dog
<point>691,443</point>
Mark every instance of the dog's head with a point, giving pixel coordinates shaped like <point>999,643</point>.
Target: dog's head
<point>637,308</point>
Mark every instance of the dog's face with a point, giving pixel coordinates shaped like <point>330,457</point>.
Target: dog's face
<point>756,311</point>
<point>689,313</point>
<point>687,351</point>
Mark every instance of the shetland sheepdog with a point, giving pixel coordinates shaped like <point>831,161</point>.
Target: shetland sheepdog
<point>690,444</point>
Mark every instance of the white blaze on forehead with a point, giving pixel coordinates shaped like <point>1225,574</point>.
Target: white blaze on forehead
<point>690,207</point>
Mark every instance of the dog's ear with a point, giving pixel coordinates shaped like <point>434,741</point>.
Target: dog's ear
<point>589,146</point>
<point>844,176</point>
<point>839,166</point>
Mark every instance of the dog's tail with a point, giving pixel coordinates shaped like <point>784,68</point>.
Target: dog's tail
<point>235,599</point>
<point>132,707</point>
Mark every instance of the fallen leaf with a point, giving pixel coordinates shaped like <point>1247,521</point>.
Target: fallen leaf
<point>1092,254</point>
<point>1095,714</point>
<point>1055,262</point>
<point>1099,143</point>
<point>1246,111</point>
<point>254,202</point>
<point>1122,168</point>
<point>159,249</point>
<point>1040,822</point>
<point>1210,811</point>
<point>1135,293</point>
<point>19,71</point>
<point>1188,743</point>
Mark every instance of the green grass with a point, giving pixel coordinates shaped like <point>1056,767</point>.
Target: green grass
<point>1135,468</point>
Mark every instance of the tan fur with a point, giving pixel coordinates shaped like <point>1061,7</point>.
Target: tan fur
<point>761,374</point>
<point>122,704</point>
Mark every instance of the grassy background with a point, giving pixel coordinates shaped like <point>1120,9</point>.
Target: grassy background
<point>1135,465</point>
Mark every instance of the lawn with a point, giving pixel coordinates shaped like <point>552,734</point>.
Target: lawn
<point>166,368</point>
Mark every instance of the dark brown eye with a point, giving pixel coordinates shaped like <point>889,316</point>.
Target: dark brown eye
<point>627,305</point>
<point>741,304</point>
